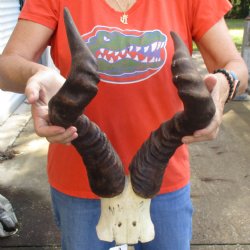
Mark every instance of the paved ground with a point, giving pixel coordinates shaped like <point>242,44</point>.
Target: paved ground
<point>23,181</point>
<point>220,184</point>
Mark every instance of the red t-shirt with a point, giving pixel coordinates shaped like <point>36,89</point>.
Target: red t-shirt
<point>136,93</point>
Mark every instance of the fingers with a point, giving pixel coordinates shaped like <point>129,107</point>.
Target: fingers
<point>43,128</point>
<point>210,81</point>
<point>65,138</point>
<point>207,134</point>
<point>54,134</point>
<point>32,91</point>
<point>212,130</point>
<point>39,89</point>
<point>43,85</point>
<point>204,135</point>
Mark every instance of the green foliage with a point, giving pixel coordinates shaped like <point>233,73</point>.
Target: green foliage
<point>240,9</point>
<point>236,30</point>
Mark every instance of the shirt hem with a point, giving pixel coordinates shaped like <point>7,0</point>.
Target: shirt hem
<point>37,19</point>
<point>90,195</point>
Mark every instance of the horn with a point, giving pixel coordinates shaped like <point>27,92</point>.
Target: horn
<point>104,168</point>
<point>81,84</point>
<point>148,166</point>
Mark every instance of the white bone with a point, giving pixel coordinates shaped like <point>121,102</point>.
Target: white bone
<point>125,218</point>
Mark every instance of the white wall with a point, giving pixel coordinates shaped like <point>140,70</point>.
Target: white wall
<point>9,11</point>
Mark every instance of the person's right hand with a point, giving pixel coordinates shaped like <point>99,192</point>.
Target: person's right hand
<point>41,87</point>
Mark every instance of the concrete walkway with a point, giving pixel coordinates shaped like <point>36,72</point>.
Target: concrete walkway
<point>23,181</point>
<point>220,184</point>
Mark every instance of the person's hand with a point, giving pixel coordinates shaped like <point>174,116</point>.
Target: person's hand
<point>40,88</point>
<point>8,220</point>
<point>219,93</point>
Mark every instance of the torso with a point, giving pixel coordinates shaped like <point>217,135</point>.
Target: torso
<point>136,93</point>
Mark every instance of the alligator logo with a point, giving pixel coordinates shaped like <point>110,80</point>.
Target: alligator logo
<point>127,56</point>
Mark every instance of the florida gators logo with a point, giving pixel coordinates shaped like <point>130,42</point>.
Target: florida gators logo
<point>127,56</point>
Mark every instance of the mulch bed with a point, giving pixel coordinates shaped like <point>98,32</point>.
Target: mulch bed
<point>7,155</point>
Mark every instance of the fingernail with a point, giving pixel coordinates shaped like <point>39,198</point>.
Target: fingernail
<point>73,129</point>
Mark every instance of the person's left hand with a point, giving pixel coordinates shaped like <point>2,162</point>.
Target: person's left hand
<point>8,220</point>
<point>219,93</point>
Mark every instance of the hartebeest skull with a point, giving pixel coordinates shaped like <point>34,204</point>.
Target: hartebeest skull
<point>125,202</point>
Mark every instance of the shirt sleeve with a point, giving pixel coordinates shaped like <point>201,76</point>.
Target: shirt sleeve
<point>206,13</point>
<point>44,12</point>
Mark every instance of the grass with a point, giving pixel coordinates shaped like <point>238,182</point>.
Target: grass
<point>236,30</point>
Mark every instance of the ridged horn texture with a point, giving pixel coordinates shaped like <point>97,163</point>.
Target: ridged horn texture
<point>104,168</point>
<point>148,166</point>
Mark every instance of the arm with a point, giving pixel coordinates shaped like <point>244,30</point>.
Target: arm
<point>218,51</point>
<point>19,72</point>
<point>20,54</point>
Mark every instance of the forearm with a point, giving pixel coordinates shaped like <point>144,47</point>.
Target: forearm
<point>233,63</point>
<point>240,69</point>
<point>219,52</point>
<point>15,72</point>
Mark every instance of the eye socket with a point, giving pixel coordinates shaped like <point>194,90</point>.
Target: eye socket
<point>106,39</point>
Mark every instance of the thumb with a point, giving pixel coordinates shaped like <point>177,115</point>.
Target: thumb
<point>32,90</point>
<point>210,81</point>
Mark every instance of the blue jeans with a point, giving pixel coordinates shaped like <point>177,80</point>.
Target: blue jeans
<point>171,214</point>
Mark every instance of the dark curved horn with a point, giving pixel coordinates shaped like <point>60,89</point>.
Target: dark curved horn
<point>148,166</point>
<point>104,168</point>
<point>81,84</point>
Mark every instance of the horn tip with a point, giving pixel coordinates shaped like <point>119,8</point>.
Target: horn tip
<point>66,11</point>
<point>176,38</point>
<point>179,43</point>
